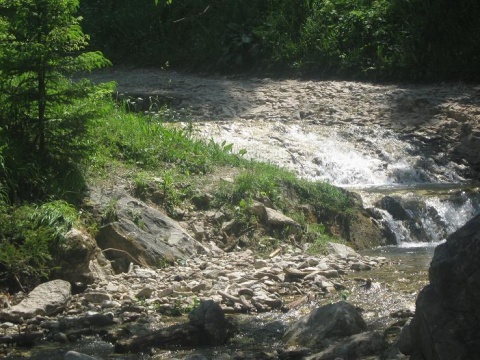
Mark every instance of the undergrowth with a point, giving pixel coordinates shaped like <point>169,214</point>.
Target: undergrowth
<point>160,161</point>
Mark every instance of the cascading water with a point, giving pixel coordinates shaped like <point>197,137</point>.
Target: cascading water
<point>421,197</point>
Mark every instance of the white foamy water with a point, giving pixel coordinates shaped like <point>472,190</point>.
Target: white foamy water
<point>357,158</point>
<point>343,156</point>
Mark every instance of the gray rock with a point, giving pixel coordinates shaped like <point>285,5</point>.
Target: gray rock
<point>46,299</point>
<point>145,293</point>
<point>274,217</point>
<point>469,148</point>
<point>79,259</point>
<point>394,207</point>
<point>142,234</point>
<point>329,321</point>
<point>97,297</point>
<point>447,317</point>
<point>403,342</point>
<point>359,266</point>
<point>195,357</point>
<point>354,347</point>
<point>394,353</point>
<point>209,317</point>
<point>340,249</point>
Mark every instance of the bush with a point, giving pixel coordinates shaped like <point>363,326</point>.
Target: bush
<point>28,237</point>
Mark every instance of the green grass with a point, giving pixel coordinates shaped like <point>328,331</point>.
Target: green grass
<point>161,162</point>
<point>147,143</point>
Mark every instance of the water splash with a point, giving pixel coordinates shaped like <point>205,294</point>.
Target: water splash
<point>370,160</point>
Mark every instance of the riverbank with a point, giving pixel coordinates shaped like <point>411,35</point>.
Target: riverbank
<point>272,292</point>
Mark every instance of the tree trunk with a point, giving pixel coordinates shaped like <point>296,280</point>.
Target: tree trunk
<point>42,103</point>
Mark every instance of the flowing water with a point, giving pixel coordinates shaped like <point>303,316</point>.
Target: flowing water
<point>431,198</point>
<point>374,162</point>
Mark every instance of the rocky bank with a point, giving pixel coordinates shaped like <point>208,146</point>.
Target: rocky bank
<point>127,308</point>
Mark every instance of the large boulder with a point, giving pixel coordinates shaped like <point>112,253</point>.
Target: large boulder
<point>79,259</point>
<point>140,233</point>
<point>447,318</point>
<point>210,319</point>
<point>362,231</point>
<point>330,321</point>
<point>207,326</point>
<point>469,146</point>
<point>46,299</point>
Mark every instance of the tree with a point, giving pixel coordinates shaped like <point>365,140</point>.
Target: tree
<point>42,47</point>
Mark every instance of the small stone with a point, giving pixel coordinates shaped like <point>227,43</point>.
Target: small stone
<point>164,292</point>
<point>111,287</point>
<point>108,304</point>
<point>73,355</point>
<point>96,297</point>
<point>199,287</point>
<point>360,267</point>
<point>61,338</point>
<point>260,264</point>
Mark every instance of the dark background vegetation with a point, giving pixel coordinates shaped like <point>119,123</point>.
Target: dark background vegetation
<point>414,40</point>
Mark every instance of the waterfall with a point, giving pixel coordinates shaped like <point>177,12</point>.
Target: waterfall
<point>386,170</point>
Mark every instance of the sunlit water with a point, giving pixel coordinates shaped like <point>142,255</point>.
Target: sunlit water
<point>371,161</point>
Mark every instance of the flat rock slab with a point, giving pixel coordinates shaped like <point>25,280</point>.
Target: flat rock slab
<point>46,299</point>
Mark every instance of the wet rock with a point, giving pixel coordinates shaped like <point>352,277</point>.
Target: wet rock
<point>354,347</point>
<point>329,321</point>
<point>195,357</point>
<point>394,354</point>
<point>394,207</point>
<point>73,355</point>
<point>46,299</point>
<point>362,232</point>
<point>359,266</point>
<point>210,319</point>
<point>447,316</point>
<point>404,341</point>
<point>469,149</point>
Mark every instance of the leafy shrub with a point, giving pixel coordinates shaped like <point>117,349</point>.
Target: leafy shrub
<point>28,237</point>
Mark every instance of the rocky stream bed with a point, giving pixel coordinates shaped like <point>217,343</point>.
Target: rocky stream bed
<point>270,293</point>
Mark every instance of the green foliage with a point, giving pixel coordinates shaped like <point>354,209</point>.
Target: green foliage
<point>375,39</point>
<point>43,120</point>
<point>28,237</point>
<point>149,144</point>
<point>110,213</point>
<point>257,181</point>
<point>268,183</point>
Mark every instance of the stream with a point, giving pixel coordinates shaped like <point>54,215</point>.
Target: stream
<point>383,142</point>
